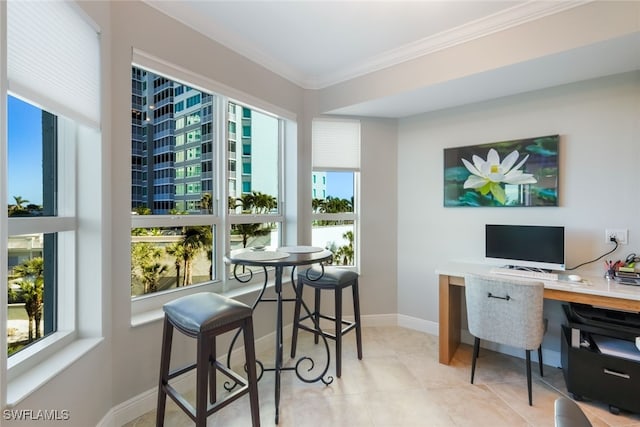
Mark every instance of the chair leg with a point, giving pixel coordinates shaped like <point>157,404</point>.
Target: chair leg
<point>529,375</point>
<point>338,321</point>
<point>476,349</point>
<point>252,376</point>
<point>202,377</point>
<point>165,358</point>
<point>316,316</point>
<point>212,371</point>
<point>540,360</point>
<point>356,314</point>
<point>296,318</point>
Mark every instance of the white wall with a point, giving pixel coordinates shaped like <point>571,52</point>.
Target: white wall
<point>599,125</point>
<point>405,230</point>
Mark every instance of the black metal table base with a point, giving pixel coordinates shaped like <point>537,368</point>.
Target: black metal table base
<point>278,367</point>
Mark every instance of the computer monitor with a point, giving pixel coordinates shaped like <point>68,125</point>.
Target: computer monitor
<point>526,246</point>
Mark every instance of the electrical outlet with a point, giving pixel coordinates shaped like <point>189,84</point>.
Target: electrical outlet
<point>621,235</point>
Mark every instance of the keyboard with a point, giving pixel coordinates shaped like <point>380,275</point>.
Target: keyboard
<point>527,274</point>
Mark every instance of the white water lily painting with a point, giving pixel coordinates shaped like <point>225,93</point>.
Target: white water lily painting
<point>522,172</point>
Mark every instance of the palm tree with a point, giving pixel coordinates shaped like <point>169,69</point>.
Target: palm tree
<point>317,205</point>
<point>195,239</point>
<point>176,250</point>
<point>206,203</point>
<point>344,254</point>
<point>249,230</point>
<point>32,291</point>
<point>145,265</point>
<point>151,275</point>
<point>18,209</point>
<point>263,203</point>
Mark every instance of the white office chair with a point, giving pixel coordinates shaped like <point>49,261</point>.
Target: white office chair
<point>507,312</point>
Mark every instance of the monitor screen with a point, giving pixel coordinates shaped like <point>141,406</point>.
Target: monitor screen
<point>526,245</point>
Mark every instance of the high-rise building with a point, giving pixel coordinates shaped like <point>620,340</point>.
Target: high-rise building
<point>172,145</point>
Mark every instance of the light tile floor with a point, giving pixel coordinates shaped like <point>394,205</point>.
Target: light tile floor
<point>399,382</point>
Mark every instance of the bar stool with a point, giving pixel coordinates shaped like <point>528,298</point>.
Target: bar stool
<point>334,279</point>
<point>204,316</point>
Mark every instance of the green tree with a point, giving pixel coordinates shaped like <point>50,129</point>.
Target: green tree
<point>176,250</point>
<point>31,291</point>
<point>142,210</point>
<point>253,203</point>
<point>249,230</point>
<point>344,254</point>
<point>195,239</point>
<point>18,209</point>
<point>206,203</point>
<point>145,265</point>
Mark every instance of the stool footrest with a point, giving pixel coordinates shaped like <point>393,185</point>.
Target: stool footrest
<point>350,326</point>
<point>180,371</point>
<point>179,399</point>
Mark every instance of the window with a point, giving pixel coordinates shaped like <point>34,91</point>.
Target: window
<point>193,100</point>
<point>177,224</point>
<point>32,257</point>
<point>335,188</point>
<point>51,142</point>
<point>193,118</point>
<point>194,136</point>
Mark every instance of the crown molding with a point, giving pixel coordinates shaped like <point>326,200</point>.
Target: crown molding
<point>500,21</point>
<point>473,30</point>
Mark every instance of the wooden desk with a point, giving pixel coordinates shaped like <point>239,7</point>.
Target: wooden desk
<point>595,291</point>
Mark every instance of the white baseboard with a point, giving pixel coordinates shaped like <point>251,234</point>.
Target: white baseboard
<point>416,324</point>
<point>146,401</point>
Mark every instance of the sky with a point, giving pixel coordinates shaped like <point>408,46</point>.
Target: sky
<point>25,157</point>
<point>340,184</point>
<point>25,151</point>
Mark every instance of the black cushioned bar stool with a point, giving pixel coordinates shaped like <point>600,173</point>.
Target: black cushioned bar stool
<point>334,279</point>
<point>204,316</point>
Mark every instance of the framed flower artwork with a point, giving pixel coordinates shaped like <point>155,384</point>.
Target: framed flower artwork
<point>523,172</point>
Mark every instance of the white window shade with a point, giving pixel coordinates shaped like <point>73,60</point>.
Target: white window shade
<point>53,58</point>
<point>336,144</point>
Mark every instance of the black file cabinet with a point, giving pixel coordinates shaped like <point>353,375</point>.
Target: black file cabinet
<point>599,357</point>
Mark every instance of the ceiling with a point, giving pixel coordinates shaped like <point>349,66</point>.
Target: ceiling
<point>316,44</point>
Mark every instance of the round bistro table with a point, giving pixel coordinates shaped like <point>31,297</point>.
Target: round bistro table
<point>278,260</point>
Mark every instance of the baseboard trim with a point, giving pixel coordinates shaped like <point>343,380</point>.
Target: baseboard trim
<point>144,402</point>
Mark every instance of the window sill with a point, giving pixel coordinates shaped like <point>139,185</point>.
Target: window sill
<point>155,314</point>
<point>36,377</point>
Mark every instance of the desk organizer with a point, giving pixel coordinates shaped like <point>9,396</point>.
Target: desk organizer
<point>599,357</point>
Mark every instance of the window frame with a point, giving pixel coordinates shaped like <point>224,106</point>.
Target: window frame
<point>329,142</point>
<point>345,216</point>
<point>220,219</point>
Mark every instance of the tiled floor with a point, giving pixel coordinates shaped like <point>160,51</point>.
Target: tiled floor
<point>400,383</point>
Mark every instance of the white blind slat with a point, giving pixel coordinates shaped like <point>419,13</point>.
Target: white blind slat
<point>53,53</point>
<point>335,144</point>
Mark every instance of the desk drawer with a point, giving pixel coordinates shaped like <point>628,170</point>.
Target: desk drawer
<point>591,374</point>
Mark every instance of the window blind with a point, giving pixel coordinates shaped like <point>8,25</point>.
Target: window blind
<point>335,144</point>
<point>53,58</point>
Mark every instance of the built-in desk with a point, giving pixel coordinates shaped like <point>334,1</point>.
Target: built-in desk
<point>592,290</point>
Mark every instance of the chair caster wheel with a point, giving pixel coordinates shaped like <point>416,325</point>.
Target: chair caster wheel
<point>614,410</point>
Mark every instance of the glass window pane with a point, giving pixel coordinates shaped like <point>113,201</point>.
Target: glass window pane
<point>253,187</point>
<point>32,289</point>
<point>170,257</point>
<point>171,107</point>
<point>336,236</point>
<point>332,192</point>
<point>256,234</point>
<point>32,150</point>
<point>253,235</point>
